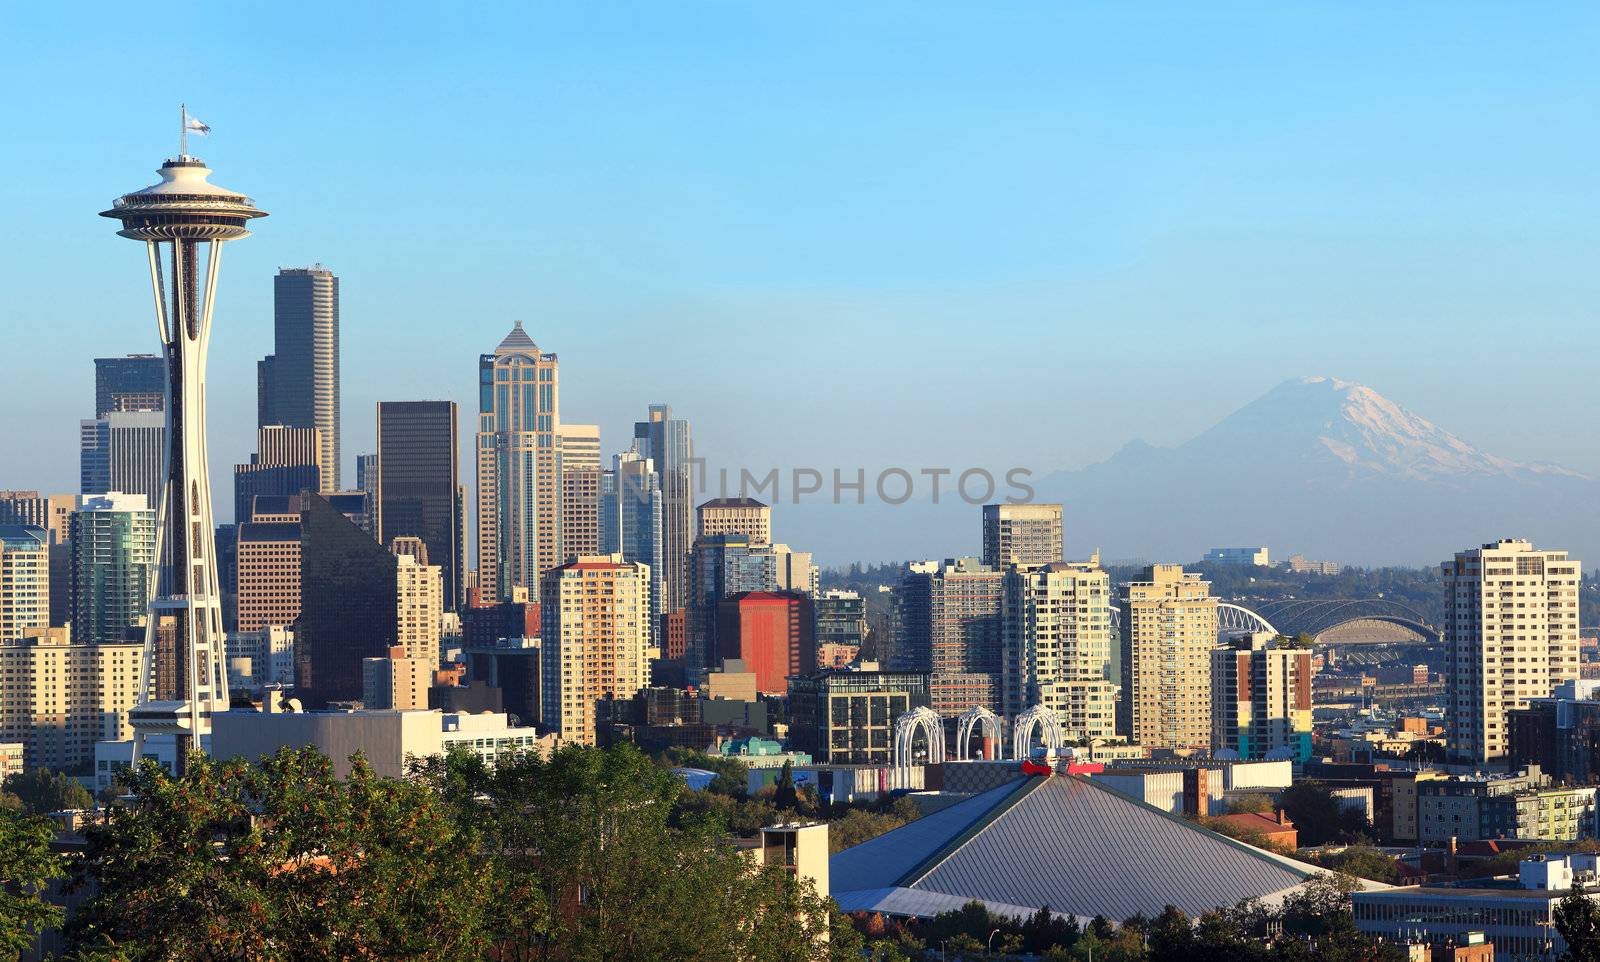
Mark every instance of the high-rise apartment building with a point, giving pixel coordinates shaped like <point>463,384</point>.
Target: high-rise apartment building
<point>418,491</point>
<point>594,642</point>
<point>24,581</point>
<point>1058,649</point>
<point>347,604</point>
<point>298,384</point>
<point>396,681</point>
<point>137,382</point>
<point>630,524</point>
<point>793,570</point>
<point>123,451</point>
<point>578,447</point>
<point>666,440</point>
<point>949,625</point>
<point>53,513</point>
<point>519,477</point>
<point>745,516</point>
<point>841,618</point>
<point>113,550</point>
<point>1261,699</point>
<point>59,696</point>
<point>1169,626</point>
<point>1510,634</point>
<point>419,597</point>
<point>772,632</point>
<point>287,461</point>
<point>1021,534</point>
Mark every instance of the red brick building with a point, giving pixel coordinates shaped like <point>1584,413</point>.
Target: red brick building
<point>773,632</point>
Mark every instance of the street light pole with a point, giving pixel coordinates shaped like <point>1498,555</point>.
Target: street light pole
<point>988,948</point>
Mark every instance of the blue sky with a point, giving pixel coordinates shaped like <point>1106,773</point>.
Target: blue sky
<point>839,234</point>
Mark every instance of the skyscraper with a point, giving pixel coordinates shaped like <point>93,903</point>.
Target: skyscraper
<point>630,524</point>
<point>721,565</point>
<point>1058,649</point>
<point>417,484</point>
<point>1510,634</point>
<point>183,222</point>
<point>113,548</point>
<point>419,602</point>
<point>950,626</point>
<point>137,382</point>
<point>287,461</point>
<point>268,563</point>
<point>666,440</point>
<point>24,581</point>
<point>519,482</point>
<point>348,598</point>
<point>1021,534</point>
<point>594,640</point>
<point>298,384</point>
<point>54,514</point>
<point>1169,627</point>
<point>123,451</point>
<point>579,448</point>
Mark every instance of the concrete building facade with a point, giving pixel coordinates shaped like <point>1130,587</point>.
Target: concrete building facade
<point>24,581</point>
<point>1261,699</point>
<point>1169,627</point>
<point>58,696</point>
<point>1022,534</point>
<point>745,516</point>
<point>1057,645</point>
<point>595,640</point>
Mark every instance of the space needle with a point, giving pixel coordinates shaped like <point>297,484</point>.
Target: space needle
<point>183,222</point>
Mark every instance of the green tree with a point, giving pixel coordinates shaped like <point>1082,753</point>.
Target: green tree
<point>1318,817</point>
<point>43,791</point>
<point>27,866</point>
<point>1578,921</point>
<point>785,797</point>
<point>1171,936</point>
<point>281,860</point>
<point>1363,861</point>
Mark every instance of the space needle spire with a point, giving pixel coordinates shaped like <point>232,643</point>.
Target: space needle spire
<point>183,222</point>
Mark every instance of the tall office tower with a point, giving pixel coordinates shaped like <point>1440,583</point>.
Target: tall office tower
<point>183,222</point>
<point>950,626</point>
<point>52,512</point>
<point>113,548</point>
<point>1056,636</point>
<point>367,473</point>
<point>578,448</point>
<point>519,481</point>
<point>417,484</point>
<point>347,604</point>
<point>1169,626</point>
<point>722,565</point>
<point>63,695</point>
<point>419,602</point>
<point>287,461</point>
<point>268,562</point>
<point>24,581</point>
<point>594,642</point>
<point>630,524</point>
<point>666,441</point>
<point>298,384</point>
<point>1510,634</point>
<point>137,382</point>
<point>123,452</point>
<point>1027,534</point>
<point>795,571</point>
<point>1261,699</point>
<point>773,632</point>
<point>745,516</point>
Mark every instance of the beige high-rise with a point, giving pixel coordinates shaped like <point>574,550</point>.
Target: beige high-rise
<point>1056,638</point>
<point>419,602</point>
<point>24,581</point>
<point>1510,634</point>
<point>1021,534</point>
<point>745,516</point>
<point>580,490</point>
<point>58,697</point>
<point>595,640</point>
<point>1169,626</point>
<point>397,681</point>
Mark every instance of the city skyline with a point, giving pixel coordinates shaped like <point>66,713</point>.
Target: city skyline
<point>637,290</point>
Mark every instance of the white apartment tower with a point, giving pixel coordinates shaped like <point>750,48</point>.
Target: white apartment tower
<point>1057,647</point>
<point>1169,627</point>
<point>1510,634</point>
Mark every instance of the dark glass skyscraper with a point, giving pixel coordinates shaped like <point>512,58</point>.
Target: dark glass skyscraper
<point>417,483</point>
<point>137,382</point>
<point>298,384</point>
<point>347,603</point>
<point>665,440</point>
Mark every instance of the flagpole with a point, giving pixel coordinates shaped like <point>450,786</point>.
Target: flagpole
<point>183,130</point>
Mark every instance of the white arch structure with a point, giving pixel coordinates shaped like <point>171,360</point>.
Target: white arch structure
<point>1233,618</point>
<point>980,719</point>
<point>905,733</point>
<point>1049,724</point>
